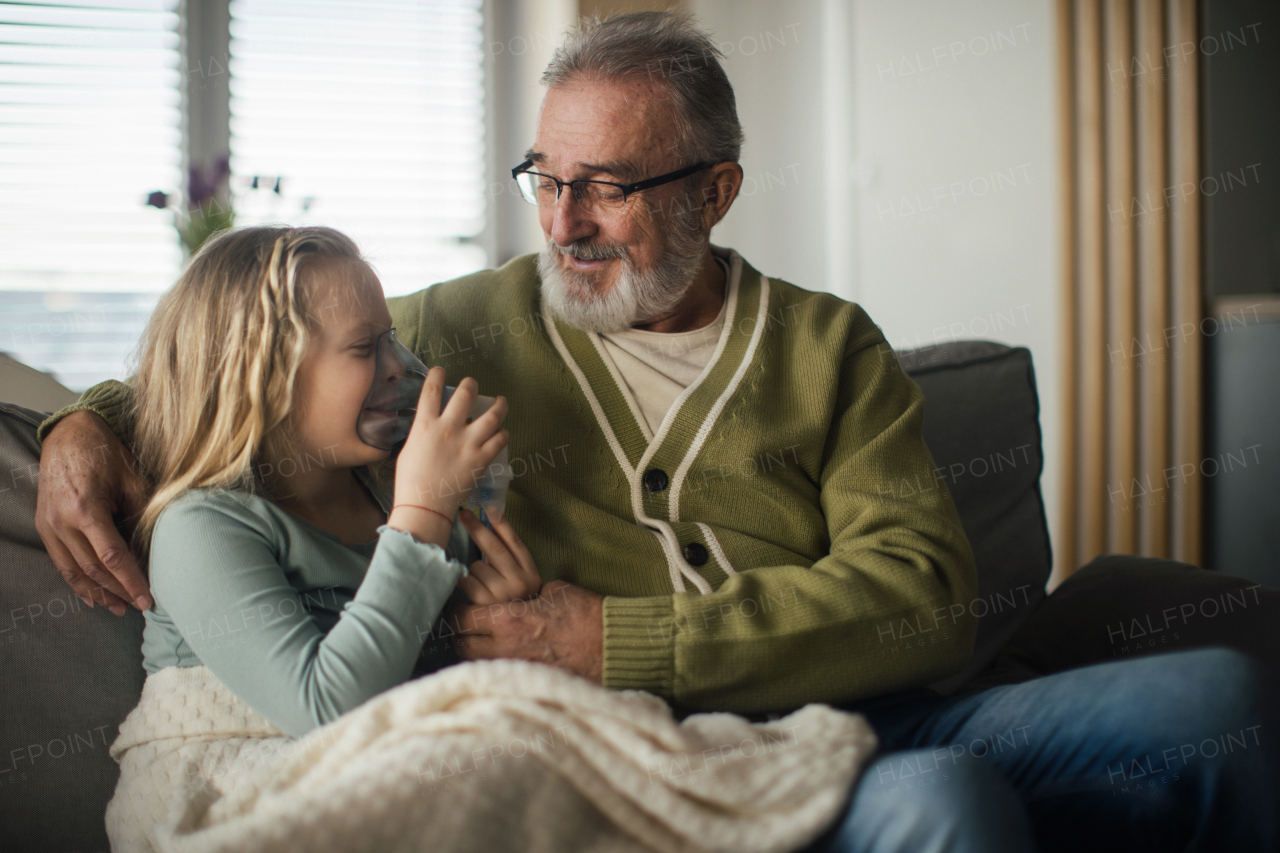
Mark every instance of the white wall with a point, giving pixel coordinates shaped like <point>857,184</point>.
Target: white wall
<point>905,155</point>
<point>521,36</point>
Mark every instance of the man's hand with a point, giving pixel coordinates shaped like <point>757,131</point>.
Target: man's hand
<point>86,477</point>
<point>563,626</point>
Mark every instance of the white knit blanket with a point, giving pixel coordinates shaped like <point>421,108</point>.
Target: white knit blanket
<point>488,756</point>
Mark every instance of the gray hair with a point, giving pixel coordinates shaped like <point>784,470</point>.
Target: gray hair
<point>669,49</point>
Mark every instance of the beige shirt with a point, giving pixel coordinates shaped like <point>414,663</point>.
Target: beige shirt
<point>657,366</point>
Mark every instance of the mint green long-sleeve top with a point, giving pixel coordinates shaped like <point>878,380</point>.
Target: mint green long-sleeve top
<point>299,625</point>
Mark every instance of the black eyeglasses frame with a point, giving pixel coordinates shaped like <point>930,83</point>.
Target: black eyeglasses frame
<point>627,189</point>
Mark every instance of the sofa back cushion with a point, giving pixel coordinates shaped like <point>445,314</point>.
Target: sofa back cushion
<point>982,425</point>
<point>71,673</point>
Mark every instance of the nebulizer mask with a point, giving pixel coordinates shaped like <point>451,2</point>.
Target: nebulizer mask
<point>388,411</point>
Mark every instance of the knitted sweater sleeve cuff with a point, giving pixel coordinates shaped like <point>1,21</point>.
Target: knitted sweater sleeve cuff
<point>109,400</point>
<point>639,644</point>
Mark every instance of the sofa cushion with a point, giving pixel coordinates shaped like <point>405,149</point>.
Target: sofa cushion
<point>72,673</point>
<point>982,426</point>
<point>1120,607</point>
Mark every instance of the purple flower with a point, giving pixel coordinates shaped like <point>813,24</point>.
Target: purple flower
<point>202,185</point>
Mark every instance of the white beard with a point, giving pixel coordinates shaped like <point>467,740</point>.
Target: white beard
<point>637,296</point>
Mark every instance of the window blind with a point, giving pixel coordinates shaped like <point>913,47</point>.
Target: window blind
<point>90,122</point>
<point>367,117</point>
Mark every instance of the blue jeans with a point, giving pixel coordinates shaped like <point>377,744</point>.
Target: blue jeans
<point>1171,752</point>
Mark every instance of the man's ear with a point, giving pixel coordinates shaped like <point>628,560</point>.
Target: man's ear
<point>718,195</point>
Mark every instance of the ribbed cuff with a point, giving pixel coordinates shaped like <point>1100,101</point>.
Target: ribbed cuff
<point>108,400</point>
<point>52,421</point>
<point>640,644</point>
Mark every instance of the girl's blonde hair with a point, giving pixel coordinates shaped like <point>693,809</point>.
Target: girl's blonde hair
<point>218,361</point>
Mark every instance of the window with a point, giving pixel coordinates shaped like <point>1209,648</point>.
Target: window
<point>90,120</point>
<point>367,116</point>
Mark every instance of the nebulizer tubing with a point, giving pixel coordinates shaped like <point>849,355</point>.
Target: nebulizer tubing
<point>389,409</point>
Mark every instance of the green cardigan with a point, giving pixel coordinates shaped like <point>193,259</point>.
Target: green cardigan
<point>781,534</point>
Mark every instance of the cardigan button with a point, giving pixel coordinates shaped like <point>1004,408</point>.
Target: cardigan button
<point>695,554</point>
<point>655,479</point>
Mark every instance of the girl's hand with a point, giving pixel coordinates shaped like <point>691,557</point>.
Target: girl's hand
<point>507,571</point>
<point>443,457</point>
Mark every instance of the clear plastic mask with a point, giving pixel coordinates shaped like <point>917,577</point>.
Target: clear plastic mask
<point>389,409</point>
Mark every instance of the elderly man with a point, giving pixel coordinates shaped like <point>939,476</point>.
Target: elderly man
<point>698,451</point>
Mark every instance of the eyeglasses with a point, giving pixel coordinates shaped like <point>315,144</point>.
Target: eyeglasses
<point>594,196</point>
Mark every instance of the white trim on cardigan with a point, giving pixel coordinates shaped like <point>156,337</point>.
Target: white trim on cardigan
<point>666,536</point>
<point>700,438</point>
<point>676,564</point>
<point>596,408</point>
<point>623,388</point>
<point>732,295</point>
<point>714,544</point>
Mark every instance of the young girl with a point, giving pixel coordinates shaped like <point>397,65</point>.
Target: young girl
<point>282,570</point>
<point>289,588</point>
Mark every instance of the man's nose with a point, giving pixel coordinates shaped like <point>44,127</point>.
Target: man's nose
<point>569,221</point>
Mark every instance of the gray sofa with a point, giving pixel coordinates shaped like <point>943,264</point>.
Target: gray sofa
<point>71,674</point>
